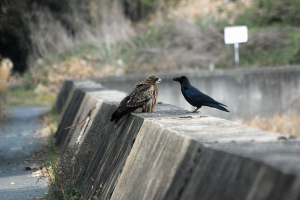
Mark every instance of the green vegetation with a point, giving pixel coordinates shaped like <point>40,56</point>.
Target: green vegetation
<point>26,97</point>
<point>85,29</point>
<point>51,150</point>
<point>52,155</point>
<point>274,33</point>
<point>266,47</point>
<point>272,12</point>
<point>137,10</point>
<point>31,28</point>
<point>61,165</point>
<point>64,172</point>
<point>282,52</point>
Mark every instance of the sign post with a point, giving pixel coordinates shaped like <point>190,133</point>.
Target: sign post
<point>235,35</point>
<point>236,54</point>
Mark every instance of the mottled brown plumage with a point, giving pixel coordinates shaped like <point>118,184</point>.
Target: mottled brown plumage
<point>142,99</point>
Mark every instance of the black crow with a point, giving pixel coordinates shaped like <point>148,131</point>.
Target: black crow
<point>195,97</point>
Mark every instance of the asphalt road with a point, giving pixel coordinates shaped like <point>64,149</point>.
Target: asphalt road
<point>18,139</point>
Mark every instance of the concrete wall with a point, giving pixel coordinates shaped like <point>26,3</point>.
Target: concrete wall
<point>247,93</point>
<point>173,154</point>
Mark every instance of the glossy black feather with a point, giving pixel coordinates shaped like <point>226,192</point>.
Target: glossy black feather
<point>195,97</point>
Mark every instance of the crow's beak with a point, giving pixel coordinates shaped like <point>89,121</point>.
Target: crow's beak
<point>159,81</point>
<point>176,79</point>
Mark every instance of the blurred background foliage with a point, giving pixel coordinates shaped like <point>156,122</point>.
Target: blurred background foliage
<point>269,12</point>
<point>135,36</point>
<point>137,10</point>
<point>51,40</point>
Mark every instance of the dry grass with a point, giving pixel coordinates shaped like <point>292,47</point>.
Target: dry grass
<point>48,79</point>
<point>5,69</point>
<point>190,9</point>
<point>175,40</point>
<point>175,45</point>
<point>285,124</point>
<point>107,25</point>
<point>68,171</point>
<point>64,168</point>
<point>51,41</point>
<point>184,46</point>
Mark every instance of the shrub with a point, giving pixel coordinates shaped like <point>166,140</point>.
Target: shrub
<point>271,12</point>
<point>137,10</point>
<point>32,28</point>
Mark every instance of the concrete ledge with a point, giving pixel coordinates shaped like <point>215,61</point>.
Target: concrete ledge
<point>172,153</point>
<point>246,92</point>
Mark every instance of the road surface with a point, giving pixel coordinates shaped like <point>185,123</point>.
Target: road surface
<point>19,137</point>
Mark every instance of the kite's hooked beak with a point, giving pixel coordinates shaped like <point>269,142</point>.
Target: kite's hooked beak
<point>159,81</point>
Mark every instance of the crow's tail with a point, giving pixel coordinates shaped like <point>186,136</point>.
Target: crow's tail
<point>217,106</point>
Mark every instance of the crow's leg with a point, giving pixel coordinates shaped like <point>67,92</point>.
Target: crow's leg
<point>195,110</point>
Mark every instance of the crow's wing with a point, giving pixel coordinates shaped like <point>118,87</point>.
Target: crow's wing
<point>196,95</point>
<point>215,105</point>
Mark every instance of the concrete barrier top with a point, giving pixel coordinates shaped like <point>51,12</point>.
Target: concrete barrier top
<point>268,147</point>
<point>172,153</point>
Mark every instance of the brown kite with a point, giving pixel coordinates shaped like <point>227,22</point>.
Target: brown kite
<point>141,99</point>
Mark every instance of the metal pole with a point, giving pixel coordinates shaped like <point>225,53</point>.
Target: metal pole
<point>236,54</point>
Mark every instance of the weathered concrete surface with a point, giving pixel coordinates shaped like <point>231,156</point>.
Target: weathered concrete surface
<point>172,164</point>
<point>246,92</point>
<point>175,154</point>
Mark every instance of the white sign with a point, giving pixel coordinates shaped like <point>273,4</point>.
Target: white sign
<point>235,34</point>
